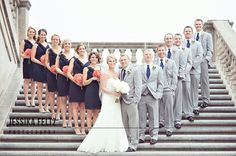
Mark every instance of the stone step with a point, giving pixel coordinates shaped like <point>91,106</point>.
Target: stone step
<point>208,109</point>
<point>79,138</point>
<point>178,152</point>
<point>219,116</point>
<point>184,122</point>
<point>227,130</point>
<point>145,146</point>
<point>212,103</point>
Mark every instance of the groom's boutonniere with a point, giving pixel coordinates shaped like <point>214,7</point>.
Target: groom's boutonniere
<point>153,67</point>
<point>193,41</point>
<point>129,71</point>
<point>183,48</point>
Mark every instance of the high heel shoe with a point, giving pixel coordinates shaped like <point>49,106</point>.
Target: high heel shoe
<point>27,103</point>
<point>32,103</point>
<point>69,124</point>
<point>77,131</point>
<point>83,131</point>
<point>41,110</point>
<point>64,125</point>
<point>58,116</point>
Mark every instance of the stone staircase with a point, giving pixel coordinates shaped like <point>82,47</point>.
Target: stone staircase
<point>213,132</point>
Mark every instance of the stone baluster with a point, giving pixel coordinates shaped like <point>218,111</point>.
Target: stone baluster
<point>111,50</point>
<point>99,50</point>
<point>122,50</point>
<point>133,56</point>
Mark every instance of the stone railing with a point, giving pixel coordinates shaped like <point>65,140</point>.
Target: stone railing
<point>133,49</point>
<point>224,56</point>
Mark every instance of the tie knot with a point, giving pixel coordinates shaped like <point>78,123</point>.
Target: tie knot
<point>188,44</point>
<point>197,38</point>
<point>161,60</point>
<point>169,50</point>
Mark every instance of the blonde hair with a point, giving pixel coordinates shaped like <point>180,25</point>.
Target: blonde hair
<point>55,35</point>
<point>65,41</point>
<point>35,33</point>
<point>111,56</point>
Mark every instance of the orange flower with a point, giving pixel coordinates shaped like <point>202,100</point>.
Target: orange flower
<point>97,73</point>
<point>53,69</point>
<point>27,52</point>
<point>42,59</point>
<point>65,69</point>
<point>78,78</point>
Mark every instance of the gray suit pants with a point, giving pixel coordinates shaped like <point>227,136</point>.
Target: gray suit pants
<point>130,119</point>
<point>187,103</point>
<point>205,90</point>
<point>166,110</point>
<point>178,102</point>
<point>148,104</point>
<point>195,79</point>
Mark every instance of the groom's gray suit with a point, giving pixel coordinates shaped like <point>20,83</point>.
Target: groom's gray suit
<point>152,90</point>
<point>129,104</point>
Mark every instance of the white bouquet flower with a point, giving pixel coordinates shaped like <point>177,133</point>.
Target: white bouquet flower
<point>122,87</point>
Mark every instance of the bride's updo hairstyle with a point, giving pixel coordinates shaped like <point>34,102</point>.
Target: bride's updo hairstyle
<point>111,56</point>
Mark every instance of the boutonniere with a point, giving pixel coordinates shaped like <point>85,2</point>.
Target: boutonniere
<point>129,71</point>
<point>167,60</point>
<point>173,50</point>
<point>193,41</point>
<point>153,67</point>
<point>183,48</point>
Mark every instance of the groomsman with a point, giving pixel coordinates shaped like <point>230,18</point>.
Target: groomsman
<point>173,53</point>
<point>197,54</point>
<point>207,45</point>
<point>170,83</point>
<point>184,97</point>
<point>152,90</point>
<point>129,103</point>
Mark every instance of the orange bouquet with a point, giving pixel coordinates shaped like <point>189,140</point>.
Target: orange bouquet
<point>97,73</point>
<point>78,78</point>
<point>65,69</point>
<point>53,69</point>
<point>27,52</point>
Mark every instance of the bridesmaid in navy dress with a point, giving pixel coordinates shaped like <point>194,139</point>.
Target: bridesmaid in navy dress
<point>39,69</point>
<point>63,82</point>
<point>92,100</point>
<point>27,65</point>
<point>76,90</point>
<point>51,55</point>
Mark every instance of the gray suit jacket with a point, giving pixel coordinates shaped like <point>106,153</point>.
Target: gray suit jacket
<point>207,45</point>
<point>186,56</point>
<point>197,55</point>
<point>155,82</point>
<point>169,74</point>
<point>134,79</point>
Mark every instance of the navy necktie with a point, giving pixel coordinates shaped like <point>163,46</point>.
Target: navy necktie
<point>148,72</point>
<point>162,64</point>
<point>197,38</point>
<point>169,54</point>
<point>188,44</point>
<point>123,74</point>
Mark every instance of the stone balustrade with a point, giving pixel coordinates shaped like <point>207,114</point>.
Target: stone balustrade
<point>224,50</point>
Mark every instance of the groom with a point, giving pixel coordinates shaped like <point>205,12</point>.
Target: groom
<point>129,103</point>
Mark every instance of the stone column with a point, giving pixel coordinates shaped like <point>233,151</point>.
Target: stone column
<point>23,18</point>
<point>133,56</point>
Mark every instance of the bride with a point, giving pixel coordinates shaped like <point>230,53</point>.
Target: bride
<point>108,133</point>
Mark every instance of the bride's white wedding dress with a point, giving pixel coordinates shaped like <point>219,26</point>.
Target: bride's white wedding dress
<point>108,133</point>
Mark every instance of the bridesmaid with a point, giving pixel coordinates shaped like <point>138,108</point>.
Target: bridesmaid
<point>63,60</point>
<point>27,65</point>
<point>51,55</point>
<point>93,105</point>
<point>76,90</point>
<point>39,69</point>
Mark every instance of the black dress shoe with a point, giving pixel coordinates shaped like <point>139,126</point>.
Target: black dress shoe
<point>161,125</point>
<point>196,112</point>
<point>204,105</point>
<point>190,118</point>
<point>141,141</point>
<point>168,133</point>
<point>130,150</point>
<point>177,126</point>
<point>153,141</point>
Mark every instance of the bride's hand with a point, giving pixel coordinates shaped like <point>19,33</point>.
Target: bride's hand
<point>117,94</point>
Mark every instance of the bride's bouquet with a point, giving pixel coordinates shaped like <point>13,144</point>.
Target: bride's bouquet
<point>121,87</point>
